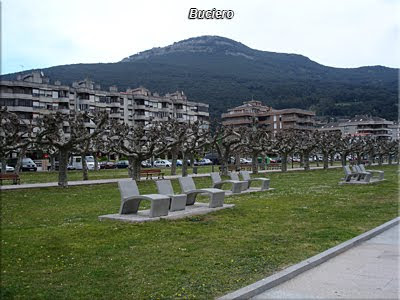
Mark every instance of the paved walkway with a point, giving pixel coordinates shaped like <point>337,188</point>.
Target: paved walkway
<point>113,180</point>
<point>367,271</point>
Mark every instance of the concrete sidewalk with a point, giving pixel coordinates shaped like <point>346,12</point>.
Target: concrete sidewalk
<point>114,180</point>
<point>367,271</point>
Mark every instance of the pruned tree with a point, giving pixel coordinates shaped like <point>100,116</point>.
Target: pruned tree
<point>345,147</point>
<point>65,132</point>
<point>139,143</point>
<point>176,133</point>
<point>196,138</point>
<point>326,143</point>
<point>284,145</point>
<point>15,136</point>
<point>226,140</point>
<point>305,144</point>
<point>256,140</point>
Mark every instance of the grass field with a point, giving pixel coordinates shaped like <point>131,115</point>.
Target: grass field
<point>53,245</point>
<point>41,177</point>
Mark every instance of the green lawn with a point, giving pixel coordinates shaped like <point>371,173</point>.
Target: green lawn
<point>53,245</point>
<point>40,177</point>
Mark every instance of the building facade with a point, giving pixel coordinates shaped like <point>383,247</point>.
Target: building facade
<point>272,119</point>
<point>33,95</point>
<point>362,125</point>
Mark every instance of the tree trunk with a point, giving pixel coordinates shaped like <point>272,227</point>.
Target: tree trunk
<point>191,157</point>
<point>380,159</point>
<point>21,155</point>
<point>184,165</point>
<point>332,159</point>
<point>301,160</point>
<point>52,162</point>
<point>263,164</point>
<point>85,175</point>
<point>224,166</point>
<point>254,163</point>
<point>306,161</point>
<point>136,169</point>
<point>174,153</point>
<point>317,160</point>
<point>325,160</point>
<point>343,158</point>
<point>130,167</point>
<point>96,162</point>
<point>62,168</point>
<point>237,161</point>
<point>358,158</point>
<point>284,162</point>
<point>3,165</point>
<point>390,159</point>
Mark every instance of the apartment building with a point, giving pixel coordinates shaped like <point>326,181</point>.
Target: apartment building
<point>33,95</point>
<point>273,119</point>
<point>362,125</point>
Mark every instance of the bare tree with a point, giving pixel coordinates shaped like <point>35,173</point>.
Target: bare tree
<point>140,143</point>
<point>196,138</point>
<point>285,143</point>
<point>305,144</point>
<point>226,141</point>
<point>15,135</point>
<point>326,142</point>
<point>256,140</point>
<point>65,132</point>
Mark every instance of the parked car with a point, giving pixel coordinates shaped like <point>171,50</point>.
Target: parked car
<point>145,164</point>
<point>107,165</point>
<point>162,163</point>
<point>122,164</point>
<point>245,161</point>
<point>8,168</point>
<point>214,157</point>
<point>179,162</point>
<point>204,162</point>
<point>27,164</point>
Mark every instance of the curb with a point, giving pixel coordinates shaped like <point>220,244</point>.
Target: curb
<point>292,271</point>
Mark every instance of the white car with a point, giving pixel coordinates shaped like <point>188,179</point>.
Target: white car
<point>162,163</point>
<point>204,162</point>
<point>8,168</point>
<point>245,161</point>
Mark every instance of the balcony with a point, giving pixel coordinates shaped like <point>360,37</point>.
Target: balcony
<point>114,104</point>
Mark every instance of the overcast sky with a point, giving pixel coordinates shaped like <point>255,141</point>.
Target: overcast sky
<point>339,33</point>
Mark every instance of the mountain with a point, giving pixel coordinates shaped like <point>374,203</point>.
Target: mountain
<point>224,73</point>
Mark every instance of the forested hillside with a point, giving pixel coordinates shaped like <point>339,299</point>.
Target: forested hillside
<point>224,73</point>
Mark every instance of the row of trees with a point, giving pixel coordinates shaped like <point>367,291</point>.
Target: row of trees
<point>84,133</point>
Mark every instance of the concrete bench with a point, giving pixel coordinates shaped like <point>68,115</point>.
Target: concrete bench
<point>189,188</point>
<point>14,177</point>
<point>177,202</point>
<point>361,176</point>
<point>131,198</point>
<point>264,181</point>
<point>218,183</point>
<point>380,174</point>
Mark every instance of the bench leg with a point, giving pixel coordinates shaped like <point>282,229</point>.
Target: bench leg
<point>129,207</point>
<point>216,199</point>
<point>367,177</point>
<point>191,198</point>
<point>178,202</point>
<point>237,187</point>
<point>265,185</point>
<point>159,207</point>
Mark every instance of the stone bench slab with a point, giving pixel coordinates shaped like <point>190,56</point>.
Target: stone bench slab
<point>198,208</point>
